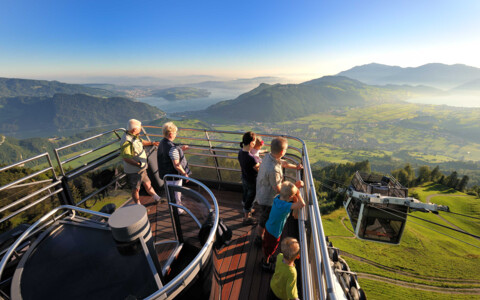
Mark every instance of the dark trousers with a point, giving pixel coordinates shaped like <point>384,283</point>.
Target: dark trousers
<point>249,191</point>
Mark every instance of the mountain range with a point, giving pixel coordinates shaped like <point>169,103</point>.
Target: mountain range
<point>38,107</point>
<point>12,87</point>
<point>282,102</point>
<point>45,116</point>
<point>435,74</point>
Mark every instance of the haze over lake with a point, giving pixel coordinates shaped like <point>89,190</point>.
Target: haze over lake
<point>169,107</point>
<point>457,100</point>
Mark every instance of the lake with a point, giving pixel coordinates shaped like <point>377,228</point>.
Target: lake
<point>457,100</point>
<point>169,107</point>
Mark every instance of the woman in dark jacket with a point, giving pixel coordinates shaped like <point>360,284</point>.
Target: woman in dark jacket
<point>249,164</point>
<point>171,159</point>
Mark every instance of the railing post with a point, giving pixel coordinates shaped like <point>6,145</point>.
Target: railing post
<point>59,162</point>
<point>67,196</point>
<point>144,132</point>
<point>219,176</point>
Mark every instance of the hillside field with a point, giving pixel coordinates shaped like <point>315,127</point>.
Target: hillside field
<point>427,263</point>
<point>387,135</point>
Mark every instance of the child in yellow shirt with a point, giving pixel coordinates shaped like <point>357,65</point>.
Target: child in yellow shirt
<point>284,280</point>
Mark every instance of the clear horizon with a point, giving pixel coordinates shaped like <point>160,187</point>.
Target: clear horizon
<point>68,41</point>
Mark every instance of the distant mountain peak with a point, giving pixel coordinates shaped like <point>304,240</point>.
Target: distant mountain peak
<point>335,79</point>
<point>437,75</point>
<point>280,102</point>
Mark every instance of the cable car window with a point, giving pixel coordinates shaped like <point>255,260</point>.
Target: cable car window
<point>353,209</point>
<point>382,229</point>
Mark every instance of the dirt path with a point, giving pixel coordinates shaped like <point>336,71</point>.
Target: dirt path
<point>427,200</point>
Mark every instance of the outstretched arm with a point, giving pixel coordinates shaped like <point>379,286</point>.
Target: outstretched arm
<point>298,203</point>
<point>287,165</point>
<point>150,143</point>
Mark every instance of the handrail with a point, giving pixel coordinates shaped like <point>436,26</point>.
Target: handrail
<point>174,283</point>
<point>206,247</point>
<point>50,168</point>
<point>57,150</point>
<point>314,259</point>
<point>12,248</point>
<point>54,183</point>
<point>319,236</point>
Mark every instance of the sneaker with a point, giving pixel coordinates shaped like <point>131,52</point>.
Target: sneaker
<point>158,199</point>
<point>267,267</point>
<point>249,221</point>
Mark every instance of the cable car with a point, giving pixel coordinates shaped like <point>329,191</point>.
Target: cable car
<point>377,207</point>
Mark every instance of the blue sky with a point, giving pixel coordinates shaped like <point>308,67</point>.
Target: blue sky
<point>59,39</point>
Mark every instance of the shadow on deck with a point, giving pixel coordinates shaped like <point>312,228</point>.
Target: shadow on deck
<point>237,271</point>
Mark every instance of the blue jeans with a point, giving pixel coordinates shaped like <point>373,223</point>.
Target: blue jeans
<point>249,191</point>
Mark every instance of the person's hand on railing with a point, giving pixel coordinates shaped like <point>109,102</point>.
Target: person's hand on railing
<point>299,184</point>
<point>299,167</point>
<point>185,147</point>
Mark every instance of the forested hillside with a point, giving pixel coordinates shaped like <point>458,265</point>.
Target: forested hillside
<point>13,87</point>
<point>45,116</point>
<point>280,102</point>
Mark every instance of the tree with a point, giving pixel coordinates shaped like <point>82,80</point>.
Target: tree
<point>411,173</point>
<point>442,179</point>
<point>476,190</point>
<point>402,176</point>
<point>452,180</point>
<point>435,174</point>
<point>424,174</point>
<point>463,183</point>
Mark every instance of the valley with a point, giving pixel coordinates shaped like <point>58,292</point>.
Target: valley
<point>342,120</point>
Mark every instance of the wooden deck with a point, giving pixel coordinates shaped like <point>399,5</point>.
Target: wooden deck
<point>237,271</point>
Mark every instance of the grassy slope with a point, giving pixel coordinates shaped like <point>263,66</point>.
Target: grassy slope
<point>423,254</point>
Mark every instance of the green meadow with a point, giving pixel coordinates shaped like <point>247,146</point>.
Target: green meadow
<point>430,262</point>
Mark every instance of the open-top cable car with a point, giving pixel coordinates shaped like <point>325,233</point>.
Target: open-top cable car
<point>377,207</point>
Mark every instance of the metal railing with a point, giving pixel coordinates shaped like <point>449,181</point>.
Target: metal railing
<point>100,160</point>
<point>221,148</point>
<point>52,187</point>
<point>175,286</point>
<point>100,155</point>
<point>317,275</point>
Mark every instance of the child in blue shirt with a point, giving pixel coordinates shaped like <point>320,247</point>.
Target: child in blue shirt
<point>288,199</point>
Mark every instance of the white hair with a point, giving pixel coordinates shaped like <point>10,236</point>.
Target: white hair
<point>132,124</point>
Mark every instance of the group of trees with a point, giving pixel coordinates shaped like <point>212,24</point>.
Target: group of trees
<point>406,176</point>
<point>332,179</point>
